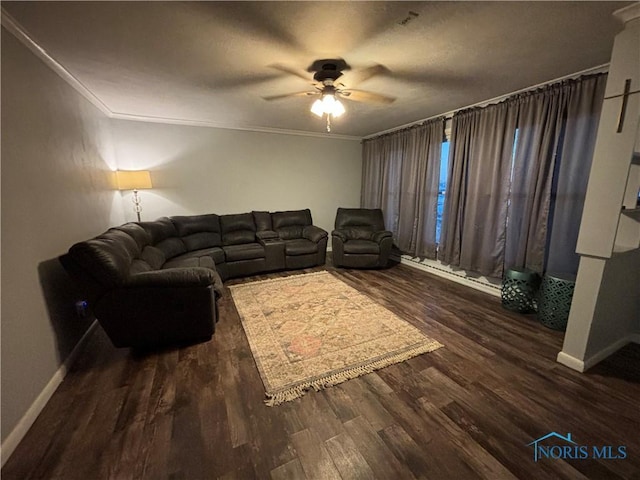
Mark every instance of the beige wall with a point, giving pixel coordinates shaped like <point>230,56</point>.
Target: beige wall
<point>56,158</point>
<point>211,170</point>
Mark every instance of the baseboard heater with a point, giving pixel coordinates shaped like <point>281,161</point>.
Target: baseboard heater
<point>444,272</point>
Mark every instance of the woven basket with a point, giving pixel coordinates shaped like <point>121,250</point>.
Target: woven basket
<point>556,294</point>
<point>519,289</point>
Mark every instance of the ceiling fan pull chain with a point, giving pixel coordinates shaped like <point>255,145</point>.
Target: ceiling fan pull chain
<point>328,122</point>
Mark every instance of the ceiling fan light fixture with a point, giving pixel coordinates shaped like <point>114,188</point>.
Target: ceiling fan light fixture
<point>338,108</point>
<point>317,108</point>
<point>329,104</point>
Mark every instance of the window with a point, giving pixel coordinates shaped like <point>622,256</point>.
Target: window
<point>442,188</point>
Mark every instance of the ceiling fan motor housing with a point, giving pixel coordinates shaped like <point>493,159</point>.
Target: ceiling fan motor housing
<point>329,69</point>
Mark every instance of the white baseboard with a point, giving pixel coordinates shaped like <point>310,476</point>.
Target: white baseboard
<point>584,365</point>
<point>441,271</point>
<point>571,362</point>
<point>23,426</point>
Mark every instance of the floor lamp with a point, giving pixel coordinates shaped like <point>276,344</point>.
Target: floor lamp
<point>134,180</point>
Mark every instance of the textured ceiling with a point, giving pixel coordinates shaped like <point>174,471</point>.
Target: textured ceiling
<point>210,61</point>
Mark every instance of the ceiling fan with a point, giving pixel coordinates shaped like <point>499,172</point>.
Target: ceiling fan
<point>325,82</point>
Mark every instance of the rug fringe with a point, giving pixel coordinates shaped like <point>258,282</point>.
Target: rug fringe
<point>326,381</point>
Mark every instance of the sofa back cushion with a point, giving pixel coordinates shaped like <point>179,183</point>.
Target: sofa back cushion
<point>290,224</point>
<point>237,229</point>
<point>262,221</point>
<point>199,231</point>
<point>362,219</point>
<point>153,257</point>
<point>108,257</point>
<point>135,231</point>
<point>164,237</point>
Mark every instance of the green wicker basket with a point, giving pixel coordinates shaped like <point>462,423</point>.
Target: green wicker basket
<point>556,294</point>
<point>519,288</point>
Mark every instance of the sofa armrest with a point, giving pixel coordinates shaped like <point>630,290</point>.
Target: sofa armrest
<point>173,277</point>
<point>341,234</point>
<point>313,233</point>
<point>267,235</point>
<point>379,236</point>
<point>150,316</point>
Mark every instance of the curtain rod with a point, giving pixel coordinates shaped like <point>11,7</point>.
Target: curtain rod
<point>593,70</point>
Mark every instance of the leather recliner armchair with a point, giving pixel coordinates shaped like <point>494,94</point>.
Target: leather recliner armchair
<point>360,239</point>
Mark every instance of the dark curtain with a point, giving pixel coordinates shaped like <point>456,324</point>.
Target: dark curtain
<point>475,210</point>
<point>584,105</point>
<point>540,120</point>
<point>401,173</point>
<point>521,207</point>
<point>381,164</point>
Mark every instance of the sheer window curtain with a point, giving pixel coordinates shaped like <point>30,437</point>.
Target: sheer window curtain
<point>475,211</point>
<point>401,173</point>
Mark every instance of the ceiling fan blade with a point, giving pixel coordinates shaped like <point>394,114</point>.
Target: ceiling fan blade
<point>291,71</point>
<point>288,95</point>
<point>355,77</point>
<point>367,97</point>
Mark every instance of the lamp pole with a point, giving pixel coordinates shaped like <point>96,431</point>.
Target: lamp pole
<point>136,203</point>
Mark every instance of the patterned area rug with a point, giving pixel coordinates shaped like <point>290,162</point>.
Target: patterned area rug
<point>315,331</point>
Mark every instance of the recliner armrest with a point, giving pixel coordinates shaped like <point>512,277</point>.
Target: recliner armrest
<point>267,235</point>
<point>341,234</point>
<point>313,233</point>
<point>379,236</point>
<point>173,277</point>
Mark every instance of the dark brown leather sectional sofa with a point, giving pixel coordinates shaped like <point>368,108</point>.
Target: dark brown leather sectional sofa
<point>156,283</point>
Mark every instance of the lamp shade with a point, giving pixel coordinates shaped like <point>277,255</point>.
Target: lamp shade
<point>133,180</point>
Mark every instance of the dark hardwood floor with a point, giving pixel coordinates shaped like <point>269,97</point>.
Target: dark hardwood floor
<point>465,411</point>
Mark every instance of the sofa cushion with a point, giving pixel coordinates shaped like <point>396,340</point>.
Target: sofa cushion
<point>248,251</point>
<point>356,217</point>
<point>290,217</point>
<point>153,256</point>
<point>164,237</point>
<point>262,220</point>
<point>238,229</point>
<point>361,247</point>
<point>171,247</point>
<point>135,231</point>
<point>216,253</point>
<point>359,233</point>
<point>198,231</point>
<point>300,246</point>
<point>190,262</point>
<point>159,230</point>
<point>290,232</point>
<point>139,266</point>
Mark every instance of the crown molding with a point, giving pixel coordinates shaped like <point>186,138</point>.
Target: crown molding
<point>588,71</point>
<point>628,13</point>
<point>21,34</point>
<point>211,124</point>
